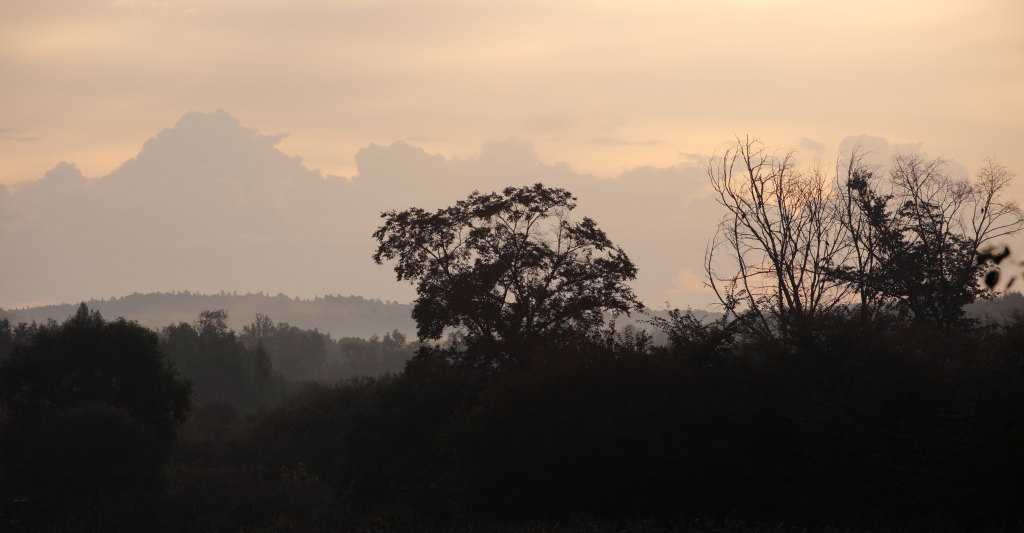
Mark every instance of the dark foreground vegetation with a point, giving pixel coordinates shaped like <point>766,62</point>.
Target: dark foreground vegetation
<point>861,425</point>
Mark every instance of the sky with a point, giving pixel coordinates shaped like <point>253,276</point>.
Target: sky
<point>588,90</point>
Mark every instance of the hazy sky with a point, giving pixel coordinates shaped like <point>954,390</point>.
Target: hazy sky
<point>603,85</point>
<point>419,101</point>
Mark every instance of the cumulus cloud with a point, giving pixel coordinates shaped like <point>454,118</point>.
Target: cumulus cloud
<point>811,145</point>
<point>341,74</point>
<point>878,152</point>
<point>210,204</point>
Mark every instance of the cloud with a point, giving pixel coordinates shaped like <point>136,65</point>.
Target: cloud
<point>17,135</point>
<point>811,145</point>
<point>343,74</point>
<point>687,281</point>
<point>879,151</point>
<point>210,204</point>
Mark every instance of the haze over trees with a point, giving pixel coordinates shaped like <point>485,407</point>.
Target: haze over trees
<point>340,316</point>
<point>827,396</point>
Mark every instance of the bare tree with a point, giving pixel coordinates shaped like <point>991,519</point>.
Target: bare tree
<point>798,242</point>
<point>779,233</point>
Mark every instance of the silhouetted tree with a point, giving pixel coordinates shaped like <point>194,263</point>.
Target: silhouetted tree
<point>700,341</point>
<point>91,412</point>
<point>6,339</point>
<point>796,243</point>
<point>923,239</point>
<point>778,233</point>
<point>509,269</point>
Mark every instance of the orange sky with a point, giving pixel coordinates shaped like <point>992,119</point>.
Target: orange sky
<point>602,85</point>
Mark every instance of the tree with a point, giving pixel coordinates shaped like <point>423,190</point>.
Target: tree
<point>924,239</point>
<point>221,368</point>
<point>510,270</point>
<point>91,408</point>
<point>296,353</point>
<point>798,243</point>
<point>6,339</point>
<point>778,234</point>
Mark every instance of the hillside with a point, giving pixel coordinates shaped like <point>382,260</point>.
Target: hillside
<point>341,316</point>
<point>1000,309</point>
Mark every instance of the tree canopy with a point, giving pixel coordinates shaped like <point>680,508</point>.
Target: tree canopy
<point>89,413</point>
<point>88,360</point>
<point>799,242</point>
<point>508,270</point>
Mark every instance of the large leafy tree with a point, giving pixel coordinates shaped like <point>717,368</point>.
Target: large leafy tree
<point>923,239</point>
<point>510,271</point>
<point>88,413</point>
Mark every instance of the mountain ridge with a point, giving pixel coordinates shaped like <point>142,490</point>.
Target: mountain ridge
<point>340,316</point>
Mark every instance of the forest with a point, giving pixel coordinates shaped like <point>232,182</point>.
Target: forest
<point>340,316</point>
<point>843,387</point>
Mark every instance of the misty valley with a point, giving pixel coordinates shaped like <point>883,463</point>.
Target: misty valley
<point>865,374</point>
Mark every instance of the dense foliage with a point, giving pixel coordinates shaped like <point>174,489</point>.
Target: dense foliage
<point>509,271</point>
<point>88,414</point>
<point>873,425</point>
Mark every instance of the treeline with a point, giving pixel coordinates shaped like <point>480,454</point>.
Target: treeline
<point>90,409</point>
<point>884,425</point>
<point>254,368</point>
<point>877,425</point>
<point>341,316</point>
<point>251,369</point>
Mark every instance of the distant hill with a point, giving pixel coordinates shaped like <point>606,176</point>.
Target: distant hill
<point>341,316</point>
<point>10,316</point>
<point>998,309</point>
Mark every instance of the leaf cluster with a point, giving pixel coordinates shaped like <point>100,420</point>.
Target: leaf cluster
<point>509,270</point>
